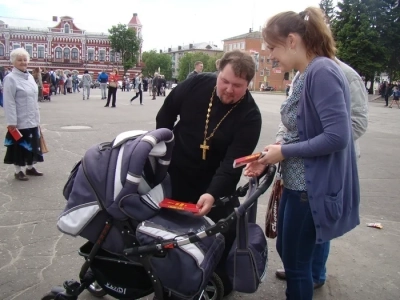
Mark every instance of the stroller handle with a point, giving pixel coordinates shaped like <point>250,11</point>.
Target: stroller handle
<point>221,226</point>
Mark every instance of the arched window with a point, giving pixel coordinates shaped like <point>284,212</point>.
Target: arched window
<point>112,56</point>
<point>66,53</point>
<point>74,54</point>
<point>102,56</point>
<point>66,28</point>
<point>90,54</point>
<point>1,50</point>
<point>58,53</point>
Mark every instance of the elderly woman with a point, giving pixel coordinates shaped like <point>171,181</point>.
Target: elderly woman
<point>22,114</point>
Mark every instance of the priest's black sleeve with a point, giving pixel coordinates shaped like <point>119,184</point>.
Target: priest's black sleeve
<point>244,142</point>
<point>170,110</point>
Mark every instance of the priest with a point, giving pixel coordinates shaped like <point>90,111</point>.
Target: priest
<point>219,121</point>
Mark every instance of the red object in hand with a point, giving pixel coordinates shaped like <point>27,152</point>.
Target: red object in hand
<point>16,134</point>
<point>172,204</point>
<point>239,162</point>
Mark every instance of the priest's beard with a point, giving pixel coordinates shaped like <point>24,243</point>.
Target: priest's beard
<point>229,99</point>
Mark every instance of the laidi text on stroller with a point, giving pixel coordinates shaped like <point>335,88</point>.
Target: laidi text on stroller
<point>113,200</point>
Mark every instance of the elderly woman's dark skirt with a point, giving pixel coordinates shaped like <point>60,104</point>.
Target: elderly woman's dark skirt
<point>26,151</point>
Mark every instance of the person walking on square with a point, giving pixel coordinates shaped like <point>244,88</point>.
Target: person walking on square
<point>396,97</point>
<point>112,88</point>
<point>103,79</point>
<point>86,82</point>
<point>138,88</point>
<point>21,111</point>
<point>198,68</point>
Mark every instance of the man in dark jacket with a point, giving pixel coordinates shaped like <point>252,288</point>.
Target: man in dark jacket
<point>198,68</point>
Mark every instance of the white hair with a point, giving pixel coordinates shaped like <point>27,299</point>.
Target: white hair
<point>19,52</point>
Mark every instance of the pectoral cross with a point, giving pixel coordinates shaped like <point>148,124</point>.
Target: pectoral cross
<point>205,147</point>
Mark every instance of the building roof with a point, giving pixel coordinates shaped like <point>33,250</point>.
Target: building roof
<point>249,35</point>
<point>135,20</point>
<point>33,24</point>
<point>196,46</point>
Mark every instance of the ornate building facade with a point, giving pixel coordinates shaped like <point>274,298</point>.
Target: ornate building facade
<point>64,47</point>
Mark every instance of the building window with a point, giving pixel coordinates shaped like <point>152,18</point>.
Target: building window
<point>230,47</point>
<point>90,54</point>
<point>28,49</point>
<point>74,54</point>
<point>16,46</point>
<point>242,45</point>
<point>262,73</point>
<point>40,51</point>
<point>66,53</point>
<point>1,50</point>
<point>112,56</point>
<point>102,56</point>
<point>66,28</point>
<point>58,53</point>
<point>267,72</point>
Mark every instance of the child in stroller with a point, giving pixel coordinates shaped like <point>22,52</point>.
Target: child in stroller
<point>46,91</point>
<point>127,258</point>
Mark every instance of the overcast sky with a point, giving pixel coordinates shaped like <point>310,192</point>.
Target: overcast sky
<point>165,23</point>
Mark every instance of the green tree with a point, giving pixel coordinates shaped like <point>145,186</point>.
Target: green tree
<point>387,18</point>
<point>124,41</point>
<point>211,62</point>
<point>327,7</point>
<point>153,60</point>
<point>186,63</point>
<point>358,41</point>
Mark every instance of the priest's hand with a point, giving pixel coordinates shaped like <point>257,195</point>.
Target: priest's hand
<point>205,204</point>
<point>254,169</point>
<point>273,155</point>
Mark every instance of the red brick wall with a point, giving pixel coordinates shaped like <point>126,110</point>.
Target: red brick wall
<point>275,79</point>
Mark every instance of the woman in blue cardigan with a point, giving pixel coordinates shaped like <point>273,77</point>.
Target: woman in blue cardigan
<point>321,194</point>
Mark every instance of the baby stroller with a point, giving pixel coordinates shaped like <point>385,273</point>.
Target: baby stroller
<point>46,91</point>
<point>135,248</point>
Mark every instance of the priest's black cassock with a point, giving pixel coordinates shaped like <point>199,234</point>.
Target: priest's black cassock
<point>236,136</point>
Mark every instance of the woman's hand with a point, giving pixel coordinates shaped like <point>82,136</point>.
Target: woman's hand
<point>254,169</point>
<point>11,127</point>
<point>273,155</point>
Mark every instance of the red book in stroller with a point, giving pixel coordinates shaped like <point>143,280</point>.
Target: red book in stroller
<point>172,204</point>
<point>16,134</point>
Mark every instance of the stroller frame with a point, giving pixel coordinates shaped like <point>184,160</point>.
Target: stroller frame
<point>72,289</point>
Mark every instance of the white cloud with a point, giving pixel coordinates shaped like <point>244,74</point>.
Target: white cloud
<point>166,23</point>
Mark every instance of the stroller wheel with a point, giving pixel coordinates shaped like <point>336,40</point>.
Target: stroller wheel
<point>214,289</point>
<point>96,290</point>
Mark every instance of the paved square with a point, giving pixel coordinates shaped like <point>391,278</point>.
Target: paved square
<point>34,255</point>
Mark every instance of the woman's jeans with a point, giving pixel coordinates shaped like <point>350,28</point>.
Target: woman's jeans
<point>295,243</point>
<point>321,253</point>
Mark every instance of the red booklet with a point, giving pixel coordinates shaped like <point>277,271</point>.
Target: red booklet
<point>172,204</point>
<point>16,134</point>
<point>239,162</point>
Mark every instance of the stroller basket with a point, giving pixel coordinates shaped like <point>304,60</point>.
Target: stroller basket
<point>119,277</point>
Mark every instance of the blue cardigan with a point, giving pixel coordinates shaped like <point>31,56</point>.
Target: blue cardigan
<point>326,144</point>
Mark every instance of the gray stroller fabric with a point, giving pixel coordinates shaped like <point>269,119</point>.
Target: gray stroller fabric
<point>184,271</point>
<point>124,179</point>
